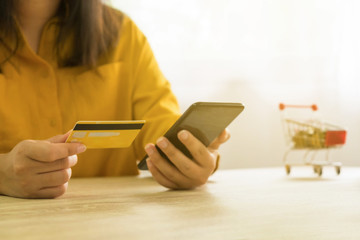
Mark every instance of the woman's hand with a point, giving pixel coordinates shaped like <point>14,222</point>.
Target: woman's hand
<point>185,173</point>
<point>38,169</point>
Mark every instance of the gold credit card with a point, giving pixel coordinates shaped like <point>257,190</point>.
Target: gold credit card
<point>106,134</point>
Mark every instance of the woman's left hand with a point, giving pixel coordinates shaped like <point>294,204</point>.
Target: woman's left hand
<point>185,173</point>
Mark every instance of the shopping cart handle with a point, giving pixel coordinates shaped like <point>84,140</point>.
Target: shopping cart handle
<point>282,106</point>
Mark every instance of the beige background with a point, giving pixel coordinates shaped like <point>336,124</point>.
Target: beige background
<point>260,53</point>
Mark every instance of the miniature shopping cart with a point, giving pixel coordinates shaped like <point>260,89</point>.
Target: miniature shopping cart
<point>311,135</point>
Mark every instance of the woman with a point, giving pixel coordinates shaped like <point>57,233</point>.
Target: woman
<point>67,60</point>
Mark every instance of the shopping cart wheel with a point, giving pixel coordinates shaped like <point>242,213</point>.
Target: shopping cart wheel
<point>288,169</point>
<point>338,170</point>
<point>318,170</point>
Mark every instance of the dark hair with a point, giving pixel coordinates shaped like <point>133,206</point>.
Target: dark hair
<point>93,28</point>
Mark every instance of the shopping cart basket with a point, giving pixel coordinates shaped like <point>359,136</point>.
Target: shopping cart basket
<point>311,135</point>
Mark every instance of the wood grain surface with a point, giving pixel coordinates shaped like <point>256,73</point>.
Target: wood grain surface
<point>235,204</point>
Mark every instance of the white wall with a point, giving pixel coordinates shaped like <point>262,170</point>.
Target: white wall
<point>260,53</point>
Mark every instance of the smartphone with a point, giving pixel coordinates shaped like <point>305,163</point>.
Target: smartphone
<point>205,120</point>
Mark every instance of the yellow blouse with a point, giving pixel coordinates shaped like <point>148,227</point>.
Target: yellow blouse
<point>38,99</point>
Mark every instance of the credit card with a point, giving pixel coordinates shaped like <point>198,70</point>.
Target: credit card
<point>106,134</point>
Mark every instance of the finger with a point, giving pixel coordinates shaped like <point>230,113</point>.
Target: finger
<point>197,149</point>
<point>167,169</point>
<point>222,138</point>
<point>37,167</point>
<point>65,163</point>
<point>52,192</point>
<point>159,177</point>
<point>53,179</point>
<point>185,165</point>
<point>45,151</point>
<point>59,138</point>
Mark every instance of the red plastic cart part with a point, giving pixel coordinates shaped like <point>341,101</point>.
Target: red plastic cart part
<point>335,138</point>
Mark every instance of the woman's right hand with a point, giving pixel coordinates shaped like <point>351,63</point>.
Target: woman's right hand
<point>38,169</point>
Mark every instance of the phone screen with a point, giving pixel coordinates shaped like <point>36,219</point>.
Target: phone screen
<point>205,120</point>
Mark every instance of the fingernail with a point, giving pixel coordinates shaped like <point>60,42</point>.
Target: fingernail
<point>74,159</point>
<point>81,148</point>
<point>183,135</point>
<point>162,143</point>
<point>149,150</point>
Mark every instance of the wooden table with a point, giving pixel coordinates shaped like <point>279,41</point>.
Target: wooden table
<point>235,204</point>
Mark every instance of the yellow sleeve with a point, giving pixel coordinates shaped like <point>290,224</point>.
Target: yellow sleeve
<point>153,99</point>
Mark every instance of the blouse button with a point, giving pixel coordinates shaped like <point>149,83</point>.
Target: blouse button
<point>52,123</point>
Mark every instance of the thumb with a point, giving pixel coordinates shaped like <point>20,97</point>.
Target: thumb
<point>59,138</point>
